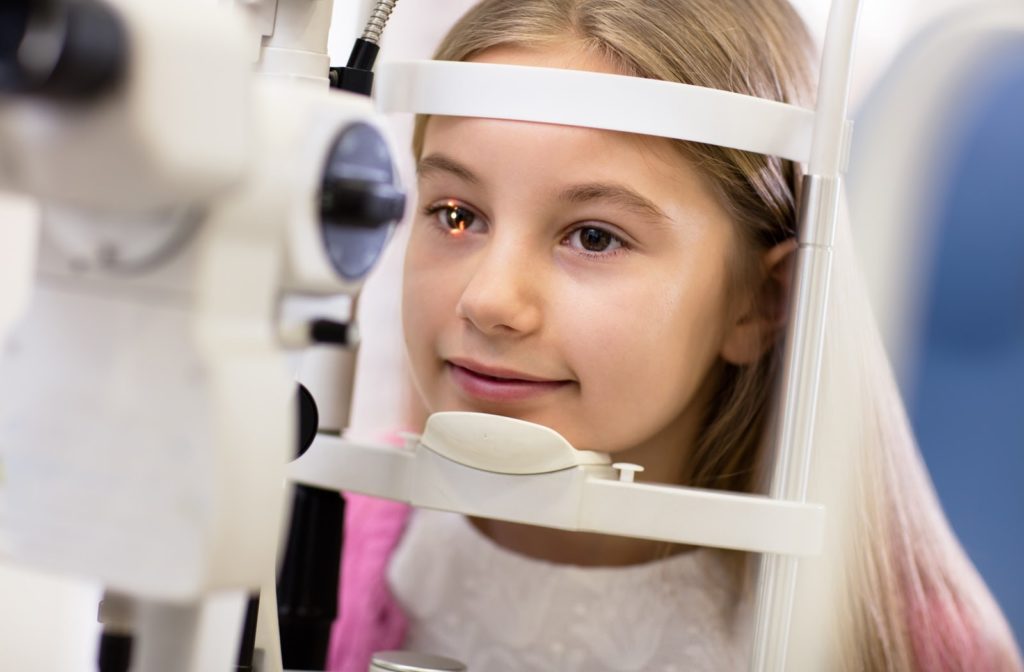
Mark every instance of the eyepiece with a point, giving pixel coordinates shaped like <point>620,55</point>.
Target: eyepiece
<point>69,49</point>
<point>14,17</point>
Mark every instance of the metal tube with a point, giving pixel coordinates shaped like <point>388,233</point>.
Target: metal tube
<point>833,89</point>
<point>795,431</point>
<point>805,340</point>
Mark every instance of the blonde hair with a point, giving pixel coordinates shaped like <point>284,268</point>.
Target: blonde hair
<point>909,598</point>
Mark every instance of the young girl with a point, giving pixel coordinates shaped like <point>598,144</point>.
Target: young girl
<point>630,293</point>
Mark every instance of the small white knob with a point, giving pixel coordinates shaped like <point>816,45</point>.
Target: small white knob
<point>627,471</point>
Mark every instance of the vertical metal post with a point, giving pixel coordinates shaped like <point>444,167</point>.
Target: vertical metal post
<point>805,339</point>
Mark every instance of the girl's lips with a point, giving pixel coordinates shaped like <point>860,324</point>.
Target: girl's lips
<point>488,388</point>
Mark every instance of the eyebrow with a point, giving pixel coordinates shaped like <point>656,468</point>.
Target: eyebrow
<point>617,194</point>
<point>439,163</point>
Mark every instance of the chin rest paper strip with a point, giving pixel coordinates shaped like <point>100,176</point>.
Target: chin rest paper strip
<point>597,100</point>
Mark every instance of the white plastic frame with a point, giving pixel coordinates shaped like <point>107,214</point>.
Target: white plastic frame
<point>596,100</point>
<point>468,462</point>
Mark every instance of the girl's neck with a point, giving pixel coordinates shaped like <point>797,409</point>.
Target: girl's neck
<point>574,548</point>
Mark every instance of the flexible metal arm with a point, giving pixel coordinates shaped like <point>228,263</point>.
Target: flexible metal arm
<point>378,19</point>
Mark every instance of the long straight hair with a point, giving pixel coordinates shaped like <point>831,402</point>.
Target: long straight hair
<point>906,597</point>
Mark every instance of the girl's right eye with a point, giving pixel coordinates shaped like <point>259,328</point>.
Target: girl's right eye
<point>452,216</point>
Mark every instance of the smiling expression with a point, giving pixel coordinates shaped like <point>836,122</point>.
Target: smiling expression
<point>572,277</point>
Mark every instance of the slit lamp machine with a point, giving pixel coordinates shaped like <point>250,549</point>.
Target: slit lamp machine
<point>192,192</point>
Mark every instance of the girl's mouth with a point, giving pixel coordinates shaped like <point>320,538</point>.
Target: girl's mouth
<point>483,386</point>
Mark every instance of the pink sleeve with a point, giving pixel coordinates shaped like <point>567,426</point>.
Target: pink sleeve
<point>370,618</point>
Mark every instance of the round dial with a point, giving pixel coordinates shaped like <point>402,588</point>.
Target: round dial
<point>360,200</point>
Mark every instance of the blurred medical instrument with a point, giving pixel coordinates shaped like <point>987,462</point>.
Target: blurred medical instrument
<point>179,519</point>
<point>935,197</point>
<point>146,404</point>
<point>163,263</point>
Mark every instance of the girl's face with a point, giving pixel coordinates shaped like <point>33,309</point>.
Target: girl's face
<point>571,277</point>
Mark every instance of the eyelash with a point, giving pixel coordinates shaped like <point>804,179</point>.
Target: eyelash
<point>433,210</point>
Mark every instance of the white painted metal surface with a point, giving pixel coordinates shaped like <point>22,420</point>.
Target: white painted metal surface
<point>444,470</point>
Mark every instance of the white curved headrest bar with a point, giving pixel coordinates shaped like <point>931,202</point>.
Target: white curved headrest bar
<point>597,100</point>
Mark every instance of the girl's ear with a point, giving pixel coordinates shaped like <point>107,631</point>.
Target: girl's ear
<point>750,336</point>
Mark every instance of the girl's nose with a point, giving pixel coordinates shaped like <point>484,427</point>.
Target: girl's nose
<point>503,294</point>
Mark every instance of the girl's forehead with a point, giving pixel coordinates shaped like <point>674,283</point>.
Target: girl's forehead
<point>551,140</point>
<point>491,152</point>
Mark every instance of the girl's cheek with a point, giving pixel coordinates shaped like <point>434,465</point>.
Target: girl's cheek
<point>424,254</point>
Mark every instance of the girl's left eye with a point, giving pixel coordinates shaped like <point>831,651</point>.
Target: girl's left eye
<point>594,240</point>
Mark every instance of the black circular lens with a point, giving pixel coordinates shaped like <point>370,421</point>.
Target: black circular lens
<point>14,18</point>
<point>76,49</point>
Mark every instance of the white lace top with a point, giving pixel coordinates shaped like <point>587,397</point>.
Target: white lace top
<point>498,611</point>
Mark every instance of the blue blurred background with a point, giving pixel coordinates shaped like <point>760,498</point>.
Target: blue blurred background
<point>965,389</point>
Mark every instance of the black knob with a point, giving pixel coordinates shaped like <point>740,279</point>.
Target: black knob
<point>361,203</point>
